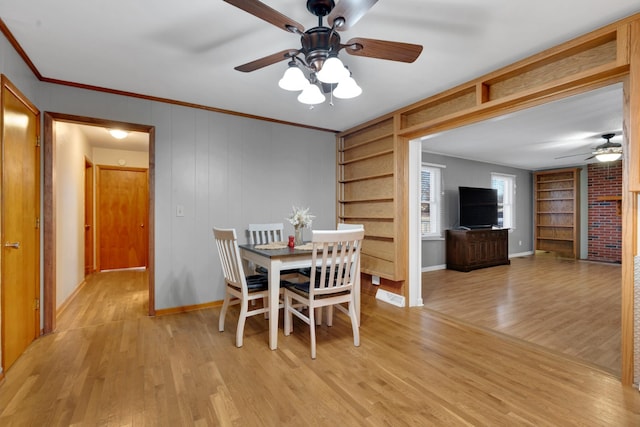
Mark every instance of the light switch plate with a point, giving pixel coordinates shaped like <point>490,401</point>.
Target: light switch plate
<point>179,210</point>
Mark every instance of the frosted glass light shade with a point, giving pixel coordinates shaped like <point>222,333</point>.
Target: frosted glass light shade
<point>118,133</point>
<point>608,157</point>
<point>332,71</point>
<point>293,79</point>
<point>347,88</point>
<point>311,95</point>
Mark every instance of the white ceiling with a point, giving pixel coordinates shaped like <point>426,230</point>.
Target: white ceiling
<point>99,137</point>
<point>186,51</point>
<point>557,134</point>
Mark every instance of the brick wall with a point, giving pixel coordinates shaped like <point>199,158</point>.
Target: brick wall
<point>605,224</point>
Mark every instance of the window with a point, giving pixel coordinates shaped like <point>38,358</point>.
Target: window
<point>506,186</point>
<point>430,206</point>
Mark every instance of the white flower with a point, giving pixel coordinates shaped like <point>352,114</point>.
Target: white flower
<point>300,217</point>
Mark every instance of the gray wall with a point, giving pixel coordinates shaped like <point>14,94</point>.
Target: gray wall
<point>461,172</point>
<point>225,170</point>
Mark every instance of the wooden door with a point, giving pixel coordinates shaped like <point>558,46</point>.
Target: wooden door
<point>88,218</point>
<point>122,217</point>
<point>20,224</point>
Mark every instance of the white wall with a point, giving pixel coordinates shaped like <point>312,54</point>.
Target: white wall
<point>224,170</point>
<point>71,150</point>
<point>124,158</point>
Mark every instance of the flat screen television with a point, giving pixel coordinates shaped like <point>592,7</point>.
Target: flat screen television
<point>478,207</point>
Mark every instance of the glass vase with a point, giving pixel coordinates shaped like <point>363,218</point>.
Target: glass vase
<point>298,236</point>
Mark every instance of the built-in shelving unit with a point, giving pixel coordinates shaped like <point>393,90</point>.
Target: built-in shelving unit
<point>557,211</point>
<point>367,195</point>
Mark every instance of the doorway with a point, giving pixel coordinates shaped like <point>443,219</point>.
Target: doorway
<point>607,102</point>
<point>87,136</point>
<point>20,189</point>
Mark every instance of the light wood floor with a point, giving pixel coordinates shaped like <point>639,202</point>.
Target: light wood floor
<point>568,306</point>
<point>110,364</point>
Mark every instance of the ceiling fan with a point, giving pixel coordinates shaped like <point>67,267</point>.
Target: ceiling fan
<point>606,152</point>
<point>322,43</point>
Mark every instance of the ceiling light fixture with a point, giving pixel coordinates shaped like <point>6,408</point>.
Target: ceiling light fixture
<point>311,94</point>
<point>118,133</point>
<point>332,75</point>
<point>316,62</point>
<point>609,151</point>
<point>610,155</point>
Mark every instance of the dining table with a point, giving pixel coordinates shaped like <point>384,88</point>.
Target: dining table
<point>276,259</point>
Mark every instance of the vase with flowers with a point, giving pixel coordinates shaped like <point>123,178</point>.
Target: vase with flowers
<point>300,218</point>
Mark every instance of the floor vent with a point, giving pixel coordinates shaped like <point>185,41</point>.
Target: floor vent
<point>390,297</point>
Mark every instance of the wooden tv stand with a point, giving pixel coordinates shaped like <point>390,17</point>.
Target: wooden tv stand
<point>472,249</point>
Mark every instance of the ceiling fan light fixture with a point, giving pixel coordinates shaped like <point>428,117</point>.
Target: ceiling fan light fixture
<point>608,156</point>
<point>293,79</point>
<point>311,95</point>
<point>332,71</point>
<point>347,88</point>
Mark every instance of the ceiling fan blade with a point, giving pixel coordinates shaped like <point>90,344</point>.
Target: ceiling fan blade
<point>264,12</point>
<point>350,11</point>
<point>267,60</point>
<point>383,49</point>
<point>571,155</point>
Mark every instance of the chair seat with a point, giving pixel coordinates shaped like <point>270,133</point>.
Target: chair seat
<point>257,282</point>
<point>263,271</point>
<point>303,289</point>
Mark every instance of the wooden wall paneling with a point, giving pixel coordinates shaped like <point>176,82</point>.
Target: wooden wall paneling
<point>371,265</point>
<point>375,188</point>
<point>370,209</point>
<point>547,72</point>
<point>368,133</point>
<point>370,167</point>
<point>440,106</point>
<point>375,147</point>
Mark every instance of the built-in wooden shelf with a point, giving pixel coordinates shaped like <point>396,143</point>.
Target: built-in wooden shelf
<point>556,209</point>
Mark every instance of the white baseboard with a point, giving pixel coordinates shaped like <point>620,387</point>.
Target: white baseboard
<point>390,297</point>
<point>434,268</point>
<point>521,254</point>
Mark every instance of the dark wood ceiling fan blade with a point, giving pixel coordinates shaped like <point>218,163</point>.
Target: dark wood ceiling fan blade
<point>383,49</point>
<point>267,60</point>
<point>351,11</point>
<point>264,12</point>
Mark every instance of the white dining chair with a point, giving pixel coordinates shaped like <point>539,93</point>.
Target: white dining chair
<point>331,284</point>
<point>240,289</point>
<point>260,234</point>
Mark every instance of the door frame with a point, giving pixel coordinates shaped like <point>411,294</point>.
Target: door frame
<point>49,205</point>
<point>89,218</point>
